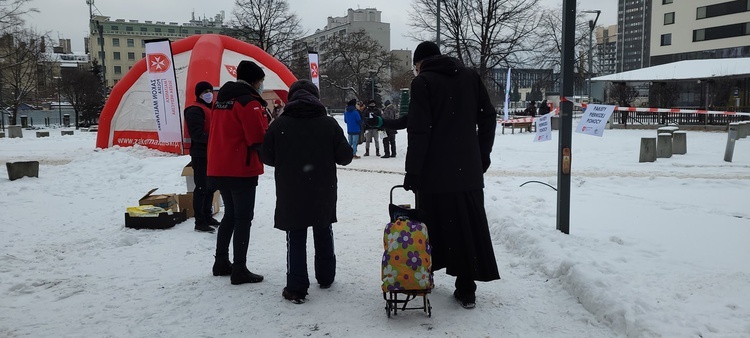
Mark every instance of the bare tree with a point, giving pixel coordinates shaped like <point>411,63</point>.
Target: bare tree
<point>23,55</point>
<point>483,34</point>
<point>354,60</point>
<point>267,24</point>
<point>83,89</point>
<point>621,94</point>
<point>11,13</point>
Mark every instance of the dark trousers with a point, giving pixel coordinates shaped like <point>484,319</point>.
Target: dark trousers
<point>202,196</point>
<point>239,208</point>
<point>389,142</point>
<point>296,258</point>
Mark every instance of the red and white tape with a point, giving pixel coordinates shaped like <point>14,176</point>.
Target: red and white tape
<point>666,110</point>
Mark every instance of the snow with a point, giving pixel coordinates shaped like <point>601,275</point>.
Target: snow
<point>655,249</point>
<point>684,70</point>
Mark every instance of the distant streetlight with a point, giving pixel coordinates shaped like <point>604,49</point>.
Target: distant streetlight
<point>592,24</point>
<point>59,105</point>
<point>372,83</point>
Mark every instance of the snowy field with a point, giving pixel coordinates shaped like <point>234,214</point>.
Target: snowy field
<point>656,249</point>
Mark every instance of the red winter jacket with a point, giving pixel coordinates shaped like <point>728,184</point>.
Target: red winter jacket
<point>238,126</point>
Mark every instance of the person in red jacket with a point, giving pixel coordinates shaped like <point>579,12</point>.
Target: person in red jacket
<point>238,125</point>
<point>197,117</point>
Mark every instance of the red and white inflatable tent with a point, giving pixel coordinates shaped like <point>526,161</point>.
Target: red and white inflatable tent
<point>128,118</point>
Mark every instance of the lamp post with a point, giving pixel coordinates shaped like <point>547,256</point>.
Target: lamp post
<point>592,24</point>
<point>59,105</point>
<point>372,83</point>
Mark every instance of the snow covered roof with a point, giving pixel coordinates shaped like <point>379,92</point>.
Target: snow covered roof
<point>684,70</point>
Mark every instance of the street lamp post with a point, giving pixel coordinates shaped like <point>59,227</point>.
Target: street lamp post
<point>372,83</point>
<point>592,24</point>
<point>59,105</point>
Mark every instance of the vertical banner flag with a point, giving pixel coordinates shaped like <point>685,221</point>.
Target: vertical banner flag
<point>543,128</point>
<point>163,90</point>
<point>595,119</point>
<point>314,72</point>
<point>507,96</point>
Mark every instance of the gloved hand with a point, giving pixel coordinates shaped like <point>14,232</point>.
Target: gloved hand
<point>374,121</point>
<point>485,163</point>
<point>411,181</point>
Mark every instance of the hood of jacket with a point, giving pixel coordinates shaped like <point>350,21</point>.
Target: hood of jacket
<point>233,90</point>
<point>304,104</point>
<point>351,109</point>
<point>442,64</point>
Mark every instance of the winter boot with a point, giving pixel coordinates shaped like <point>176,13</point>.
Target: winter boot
<point>367,153</point>
<point>203,227</point>
<point>467,301</point>
<point>241,275</point>
<point>222,266</point>
<point>213,222</point>
<point>292,296</point>
<point>377,152</point>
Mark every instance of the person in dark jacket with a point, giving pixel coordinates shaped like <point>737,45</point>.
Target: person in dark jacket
<point>305,145</point>
<point>451,131</point>
<point>238,125</point>
<point>543,108</point>
<point>389,142</point>
<point>530,109</point>
<point>197,119</point>
<point>372,134</point>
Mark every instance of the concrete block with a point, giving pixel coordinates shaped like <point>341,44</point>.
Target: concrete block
<point>15,131</point>
<point>2,134</point>
<point>42,134</point>
<point>17,170</point>
<point>664,145</point>
<point>648,149</point>
<point>679,142</point>
<point>66,132</point>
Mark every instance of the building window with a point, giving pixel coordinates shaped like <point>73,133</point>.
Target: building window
<point>131,43</point>
<point>144,29</point>
<point>209,32</point>
<point>101,55</point>
<point>721,32</point>
<point>100,41</point>
<point>143,43</point>
<point>666,39</point>
<point>131,55</point>
<point>157,29</point>
<point>170,30</point>
<point>116,42</point>
<point>116,55</point>
<point>128,28</point>
<point>669,18</point>
<point>118,70</point>
<point>666,2</point>
<point>143,55</point>
<point>197,31</point>
<point>114,28</point>
<point>724,8</point>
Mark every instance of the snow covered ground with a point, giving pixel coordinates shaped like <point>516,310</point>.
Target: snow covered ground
<point>656,249</point>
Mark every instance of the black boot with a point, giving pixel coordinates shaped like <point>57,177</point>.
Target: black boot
<point>222,266</point>
<point>203,227</point>
<point>241,275</point>
<point>213,221</point>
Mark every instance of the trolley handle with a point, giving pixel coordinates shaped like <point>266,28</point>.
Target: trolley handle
<point>416,195</point>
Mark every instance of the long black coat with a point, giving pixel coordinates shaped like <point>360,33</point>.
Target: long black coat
<point>451,126</point>
<point>304,145</point>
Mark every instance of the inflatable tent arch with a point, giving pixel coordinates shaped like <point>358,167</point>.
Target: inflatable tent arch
<point>128,118</point>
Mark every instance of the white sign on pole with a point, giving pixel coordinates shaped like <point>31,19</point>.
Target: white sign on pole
<point>314,71</point>
<point>163,90</point>
<point>543,128</point>
<point>595,119</point>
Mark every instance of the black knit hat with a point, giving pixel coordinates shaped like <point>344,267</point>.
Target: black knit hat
<point>249,72</point>
<point>202,87</point>
<point>351,102</point>
<point>424,50</point>
<point>305,85</point>
<point>372,103</point>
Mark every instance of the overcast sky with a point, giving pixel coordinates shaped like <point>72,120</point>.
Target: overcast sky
<point>69,18</point>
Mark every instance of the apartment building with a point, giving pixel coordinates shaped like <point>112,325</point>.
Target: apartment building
<point>118,44</point>
<point>367,19</point>
<point>606,50</point>
<point>633,33</point>
<point>706,29</point>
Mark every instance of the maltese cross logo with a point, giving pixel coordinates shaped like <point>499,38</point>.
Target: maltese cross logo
<point>232,70</point>
<point>157,63</point>
<point>314,70</point>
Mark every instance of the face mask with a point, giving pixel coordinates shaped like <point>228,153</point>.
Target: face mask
<point>207,97</point>
<point>260,90</point>
<point>414,70</point>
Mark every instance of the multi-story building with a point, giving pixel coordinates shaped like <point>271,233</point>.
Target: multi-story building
<point>606,50</point>
<point>633,30</point>
<point>119,44</point>
<point>707,29</point>
<point>367,19</point>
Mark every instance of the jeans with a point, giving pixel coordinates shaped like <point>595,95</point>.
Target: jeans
<point>296,258</point>
<point>202,196</point>
<point>239,208</point>
<point>371,135</point>
<point>353,141</point>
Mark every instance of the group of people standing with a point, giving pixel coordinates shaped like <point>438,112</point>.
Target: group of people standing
<point>305,145</point>
<point>359,132</point>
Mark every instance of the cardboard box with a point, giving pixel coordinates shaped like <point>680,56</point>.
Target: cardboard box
<point>163,221</point>
<point>187,171</point>
<point>186,203</point>
<point>166,201</point>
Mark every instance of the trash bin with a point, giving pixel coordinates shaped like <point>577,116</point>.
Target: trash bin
<point>66,120</point>
<point>555,122</point>
<point>24,121</point>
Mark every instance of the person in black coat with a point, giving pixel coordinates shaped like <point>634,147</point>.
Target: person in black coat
<point>544,108</point>
<point>451,130</point>
<point>304,145</point>
<point>197,117</point>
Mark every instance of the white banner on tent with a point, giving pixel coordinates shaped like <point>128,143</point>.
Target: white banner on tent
<point>163,90</point>
<point>543,128</point>
<point>314,71</point>
<point>595,119</point>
